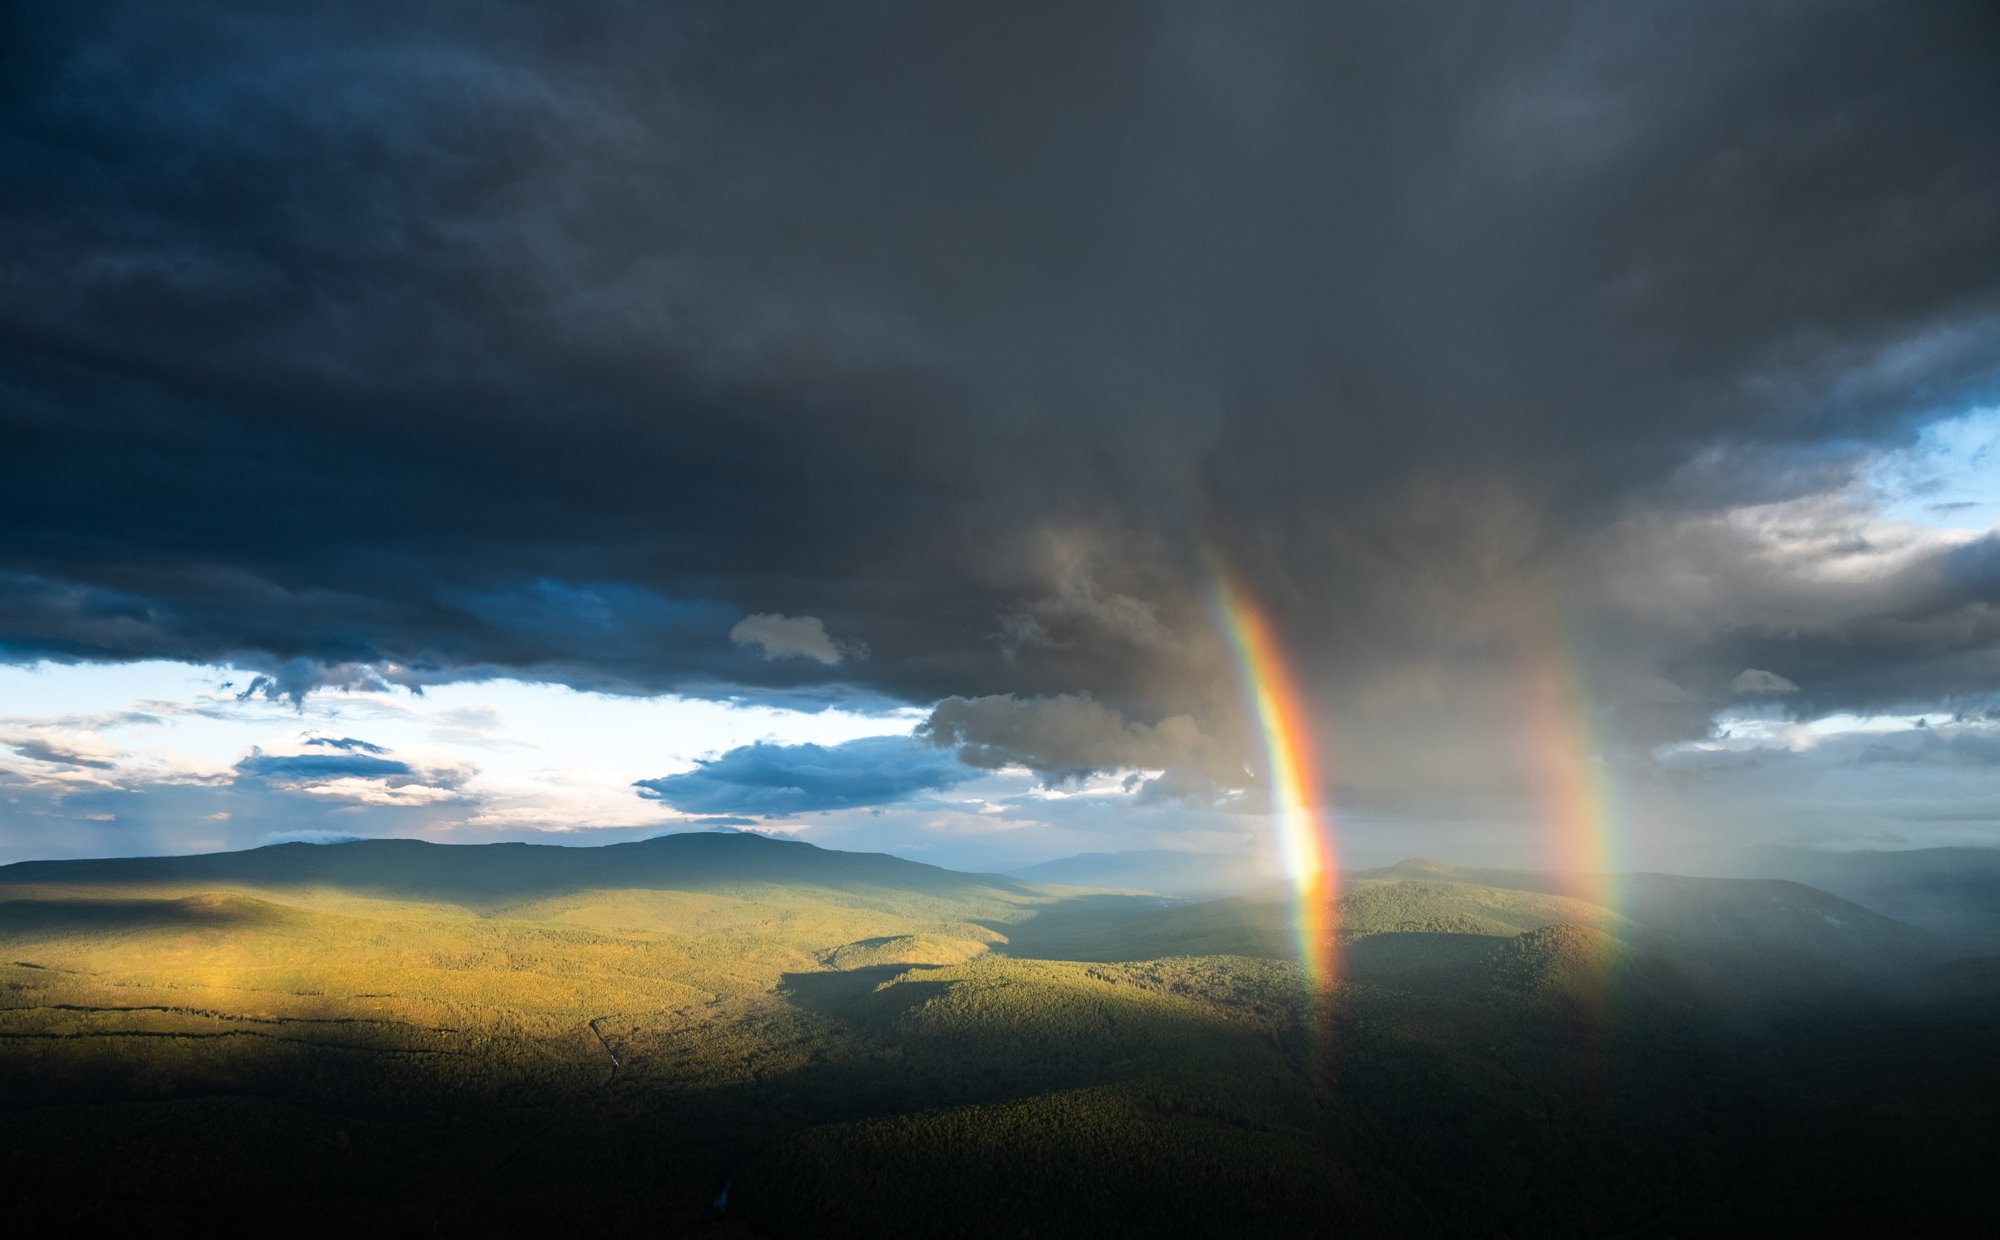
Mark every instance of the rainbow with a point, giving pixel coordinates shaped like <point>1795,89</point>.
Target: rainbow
<point>1574,789</point>
<point>1291,772</point>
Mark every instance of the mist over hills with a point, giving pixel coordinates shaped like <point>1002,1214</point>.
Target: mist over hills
<point>1770,914</point>
<point>1949,895</point>
<point>1182,874</point>
<point>1951,892</point>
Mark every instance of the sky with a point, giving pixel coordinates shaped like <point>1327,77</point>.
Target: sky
<point>576,423</point>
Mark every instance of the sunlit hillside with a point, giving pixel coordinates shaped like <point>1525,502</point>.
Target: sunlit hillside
<point>724,1034</point>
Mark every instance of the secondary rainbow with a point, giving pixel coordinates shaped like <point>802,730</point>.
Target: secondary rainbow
<point>1574,789</point>
<point>1290,772</point>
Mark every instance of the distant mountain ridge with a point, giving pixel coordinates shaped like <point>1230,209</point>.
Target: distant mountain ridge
<point>1771,914</point>
<point>1246,910</point>
<point>1730,934</point>
<point>486,874</point>
<point>1953,893</point>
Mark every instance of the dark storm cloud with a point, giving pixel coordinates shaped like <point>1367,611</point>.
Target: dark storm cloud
<point>1059,738</point>
<point>1918,630</point>
<point>783,780</point>
<point>399,345</point>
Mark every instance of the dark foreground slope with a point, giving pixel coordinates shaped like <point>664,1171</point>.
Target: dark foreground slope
<point>735,1036</point>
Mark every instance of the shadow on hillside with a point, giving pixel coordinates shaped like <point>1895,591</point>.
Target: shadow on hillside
<point>861,996</point>
<point>40,918</point>
<point>1109,928</point>
<point>1084,927</point>
<point>1652,1120</point>
<point>1881,1117</point>
<point>1420,961</point>
<point>880,940</point>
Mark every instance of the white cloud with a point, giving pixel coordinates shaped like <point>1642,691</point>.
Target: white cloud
<point>357,791</point>
<point>166,746</point>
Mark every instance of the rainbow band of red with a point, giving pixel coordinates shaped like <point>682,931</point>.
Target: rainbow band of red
<point>1291,772</point>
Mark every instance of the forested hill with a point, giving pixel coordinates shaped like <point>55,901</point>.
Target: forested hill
<point>731,1035</point>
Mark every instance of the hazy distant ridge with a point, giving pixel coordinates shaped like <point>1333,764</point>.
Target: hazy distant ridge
<point>486,873</point>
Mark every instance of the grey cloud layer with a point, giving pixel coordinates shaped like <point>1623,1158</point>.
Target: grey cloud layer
<point>392,346</point>
<point>1061,737</point>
